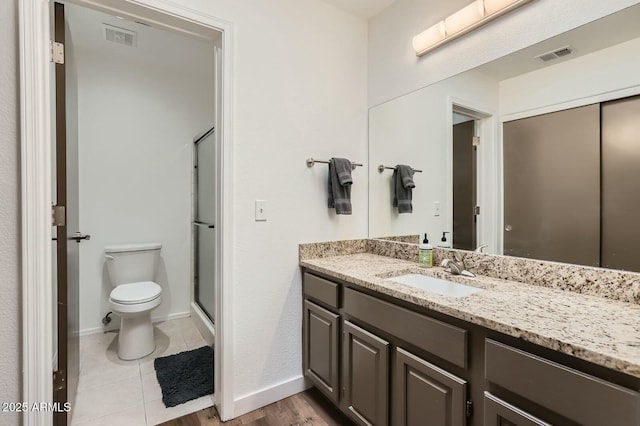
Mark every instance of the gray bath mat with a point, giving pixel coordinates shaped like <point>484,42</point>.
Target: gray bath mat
<point>185,376</point>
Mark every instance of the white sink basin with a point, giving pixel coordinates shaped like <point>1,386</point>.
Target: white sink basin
<point>436,285</point>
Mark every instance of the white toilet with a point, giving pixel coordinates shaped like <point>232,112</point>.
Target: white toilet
<point>132,269</point>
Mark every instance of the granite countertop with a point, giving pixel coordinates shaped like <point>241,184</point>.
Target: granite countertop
<point>595,329</point>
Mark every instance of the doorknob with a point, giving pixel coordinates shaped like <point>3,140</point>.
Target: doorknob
<point>79,237</point>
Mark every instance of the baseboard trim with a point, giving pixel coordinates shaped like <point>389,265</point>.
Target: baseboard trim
<point>115,325</point>
<point>266,396</point>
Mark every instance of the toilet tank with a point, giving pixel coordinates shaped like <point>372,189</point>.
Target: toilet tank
<point>132,262</point>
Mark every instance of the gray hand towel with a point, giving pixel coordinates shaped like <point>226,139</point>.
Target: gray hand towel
<point>403,185</point>
<point>340,181</point>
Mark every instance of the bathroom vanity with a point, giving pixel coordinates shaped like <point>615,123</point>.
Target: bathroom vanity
<point>388,353</point>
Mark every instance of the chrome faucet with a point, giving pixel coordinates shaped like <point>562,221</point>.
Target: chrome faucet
<point>457,266</point>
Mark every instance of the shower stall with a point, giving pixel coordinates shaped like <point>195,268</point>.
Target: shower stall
<point>204,232</point>
<point>204,223</point>
<point>206,208</point>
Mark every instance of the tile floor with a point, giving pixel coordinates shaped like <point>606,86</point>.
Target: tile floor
<point>116,392</point>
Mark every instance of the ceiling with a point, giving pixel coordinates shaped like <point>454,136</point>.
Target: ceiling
<point>155,46</point>
<point>363,8</point>
<point>600,34</point>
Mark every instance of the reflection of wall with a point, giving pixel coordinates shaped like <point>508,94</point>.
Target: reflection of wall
<point>414,130</point>
<point>607,70</point>
<point>136,128</point>
<point>394,69</point>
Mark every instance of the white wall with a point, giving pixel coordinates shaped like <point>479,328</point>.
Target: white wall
<point>137,122</point>
<point>577,81</point>
<point>300,91</point>
<point>10,314</point>
<point>394,70</point>
<point>416,130</point>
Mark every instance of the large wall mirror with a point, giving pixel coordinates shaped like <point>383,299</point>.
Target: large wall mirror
<point>535,155</point>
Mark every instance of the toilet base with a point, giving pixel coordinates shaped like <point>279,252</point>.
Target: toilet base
<point>135,339</point>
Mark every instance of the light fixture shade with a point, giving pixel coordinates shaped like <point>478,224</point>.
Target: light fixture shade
<point>429,37</point>
<point>464,18</point>
<point>493,6</point>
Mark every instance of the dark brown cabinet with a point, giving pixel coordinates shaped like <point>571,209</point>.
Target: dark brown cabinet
<point>365,376</point>
<point>499,413</point>
<point>426,394</point>
<point>578,397</point>
<point>321,346</point>
<point>384,362</point>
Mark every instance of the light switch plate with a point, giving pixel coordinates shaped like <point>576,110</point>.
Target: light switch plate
<point>261,210</point>
<point>436,208</point>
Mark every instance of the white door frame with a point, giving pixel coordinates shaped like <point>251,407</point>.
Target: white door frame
<point>487,175</point>
<point>35,135</point>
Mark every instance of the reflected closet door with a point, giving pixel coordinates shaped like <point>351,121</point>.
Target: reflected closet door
<point>620,183</point>
<point>552,186</point>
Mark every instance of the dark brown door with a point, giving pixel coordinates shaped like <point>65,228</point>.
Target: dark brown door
<point>320,354</point>
<point>67,237</point>
<point>464,186</point>
<point>620,183</point>
<point>426,394</point>
<point>365,376</point>
<point>552,186</point>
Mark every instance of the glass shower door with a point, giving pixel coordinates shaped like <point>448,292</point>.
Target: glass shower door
<point>204,222</point>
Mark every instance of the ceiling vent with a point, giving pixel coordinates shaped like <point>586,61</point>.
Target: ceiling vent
<point>555,54</point>
<point>120,35</point>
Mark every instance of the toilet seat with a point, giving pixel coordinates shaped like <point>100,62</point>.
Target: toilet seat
<point>135,293</point>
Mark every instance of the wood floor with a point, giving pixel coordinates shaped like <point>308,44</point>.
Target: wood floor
<point>306,408</point>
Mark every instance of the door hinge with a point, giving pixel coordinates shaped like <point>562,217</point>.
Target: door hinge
<point>59,380</point>
<point>58,216</point>
<point>476,210</point>
<point>56,52</point>
<point>469,408</point>
<point>476,141</point>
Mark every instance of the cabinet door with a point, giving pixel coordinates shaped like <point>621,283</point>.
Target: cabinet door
<point>320,351</point>
<point>425,394</point>
<point>499,413</point>
<point>365,376</point>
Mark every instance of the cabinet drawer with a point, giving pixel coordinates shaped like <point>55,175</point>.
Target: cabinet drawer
<point>579,397</point>
<point>442,340</point>
<point>499,413</point>
<point>321,290</point>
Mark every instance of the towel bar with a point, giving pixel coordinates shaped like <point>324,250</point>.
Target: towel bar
<point>311,162</point>
<point>382,167</point>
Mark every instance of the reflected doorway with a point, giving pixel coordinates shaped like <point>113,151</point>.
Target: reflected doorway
<point>465,206</point>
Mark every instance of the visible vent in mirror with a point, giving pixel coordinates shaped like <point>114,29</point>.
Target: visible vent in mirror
<point>555,54</point>
<point>547,57</point>
<point>120,35</point>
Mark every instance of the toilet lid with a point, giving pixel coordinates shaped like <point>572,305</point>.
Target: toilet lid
<point>129,294</point>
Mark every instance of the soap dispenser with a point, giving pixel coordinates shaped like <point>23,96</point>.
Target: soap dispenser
<point>425,253</point>
<point>443,241</point>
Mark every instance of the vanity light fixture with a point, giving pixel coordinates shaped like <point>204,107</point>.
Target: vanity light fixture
<point>462,22</point>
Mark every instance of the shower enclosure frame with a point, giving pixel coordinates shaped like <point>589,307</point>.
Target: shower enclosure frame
<point>36,198</point>
<point>204,320</point>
